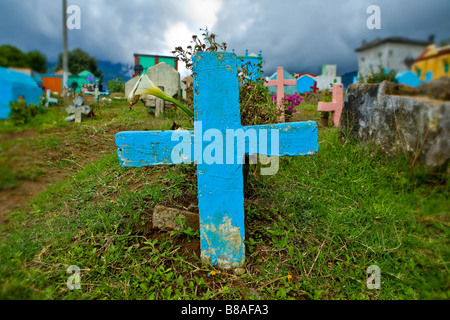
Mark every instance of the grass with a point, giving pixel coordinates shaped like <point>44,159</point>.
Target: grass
<point>312,230</point>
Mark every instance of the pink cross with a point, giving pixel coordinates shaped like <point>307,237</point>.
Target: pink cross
<point>336,105</point>
<point>280,83</point>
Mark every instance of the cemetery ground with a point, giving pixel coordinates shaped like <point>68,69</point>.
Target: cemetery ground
<point>312,229</point>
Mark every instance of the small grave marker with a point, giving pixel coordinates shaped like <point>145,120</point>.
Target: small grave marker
<point>280,82</point>
<point>314,88</point>
<point>304,84</point>
<point>138,70</point>
<point>49,98</point>
<point>96,93</point>
<point>159,108</point>
<point>78,109</point>
<point>336,105</point>
<point>220,185</point>
<point>74,86</point>
<point>78,101</point>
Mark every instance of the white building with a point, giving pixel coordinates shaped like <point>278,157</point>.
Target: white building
<point>392,53</point>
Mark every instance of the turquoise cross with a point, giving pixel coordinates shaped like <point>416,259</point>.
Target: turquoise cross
<point>219,160</point>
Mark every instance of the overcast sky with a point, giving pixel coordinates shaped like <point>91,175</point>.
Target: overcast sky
<point>299,35</point>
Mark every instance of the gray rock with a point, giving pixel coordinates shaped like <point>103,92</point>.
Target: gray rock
<point>164,219</point>
<point>436,89</point>
<point>416,126</point>
<point>163,75</point>
<point>239,271</point>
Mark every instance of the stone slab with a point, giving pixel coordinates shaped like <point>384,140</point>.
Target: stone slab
<point>164,219</point>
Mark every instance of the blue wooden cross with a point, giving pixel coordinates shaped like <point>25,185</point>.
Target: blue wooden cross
<point>219,162</point>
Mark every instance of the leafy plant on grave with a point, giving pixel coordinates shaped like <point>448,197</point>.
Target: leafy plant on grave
<point>256,105</point>
<point>190,232</point>
<point>380,76</point>
<point>116,85</point>
<point>208,44</point>
<point>22,114</point>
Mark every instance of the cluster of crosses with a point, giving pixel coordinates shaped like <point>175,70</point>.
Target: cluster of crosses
<point>220,185</point>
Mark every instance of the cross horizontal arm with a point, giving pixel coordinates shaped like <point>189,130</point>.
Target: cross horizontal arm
<point>146,148</point>
<point>294,139</point>
<point>143,148</point>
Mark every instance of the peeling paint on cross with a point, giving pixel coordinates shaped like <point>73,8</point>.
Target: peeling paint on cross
<point>280,82</point>
<point>220,186</point>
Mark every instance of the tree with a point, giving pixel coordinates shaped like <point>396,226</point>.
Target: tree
<point>11,56</point>
<point>380,76</point>
<point>79,61</point>
<point>444,42</point>
<point>37,61</point>
<point>116,85</point>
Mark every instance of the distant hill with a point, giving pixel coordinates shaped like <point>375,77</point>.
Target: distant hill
<point>114,70</point>
<point>110,70</point>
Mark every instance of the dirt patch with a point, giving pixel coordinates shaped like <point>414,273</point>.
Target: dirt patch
<point>15,135</point>
<point>54,163</point>
<point>15,198</point>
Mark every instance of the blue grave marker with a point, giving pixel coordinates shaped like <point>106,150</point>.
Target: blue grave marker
<point>305,83</point>
<point>220,182</point>
<point>408,77</point>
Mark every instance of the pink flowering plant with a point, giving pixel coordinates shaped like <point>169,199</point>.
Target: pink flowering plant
<point>290,103</point>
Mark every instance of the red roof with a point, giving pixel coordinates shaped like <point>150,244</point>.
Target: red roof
<point>437,54</point>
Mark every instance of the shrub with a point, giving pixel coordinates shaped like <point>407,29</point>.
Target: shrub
<point>22,114</point>
<point>256,105</point>
<point>380,76</point>
<point>116,85</point>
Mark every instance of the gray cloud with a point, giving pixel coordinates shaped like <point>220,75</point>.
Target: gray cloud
<point>302,35</point>
<point>299,35</point>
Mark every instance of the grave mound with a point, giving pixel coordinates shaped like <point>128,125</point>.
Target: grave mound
<point>397,120</point>
<point>438,89</point>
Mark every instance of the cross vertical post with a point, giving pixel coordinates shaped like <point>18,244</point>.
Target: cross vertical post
<point>280,82</point>
<point>314,88</point>
<point>336,105</point>
<point>220,186</point>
